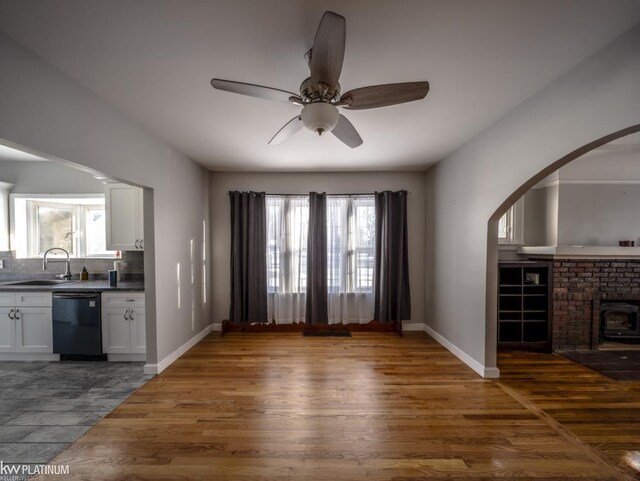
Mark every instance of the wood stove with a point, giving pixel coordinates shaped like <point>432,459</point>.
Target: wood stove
<point>619,320</point>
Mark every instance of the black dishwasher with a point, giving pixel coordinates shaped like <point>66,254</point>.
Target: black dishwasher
<point>77,331</point>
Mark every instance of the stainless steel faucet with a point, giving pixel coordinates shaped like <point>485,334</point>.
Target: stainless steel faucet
<point>67,261</point>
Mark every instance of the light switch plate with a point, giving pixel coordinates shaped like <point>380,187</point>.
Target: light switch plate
<point>1,263</point>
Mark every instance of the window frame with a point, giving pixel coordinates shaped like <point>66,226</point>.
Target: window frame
<point>352,278</point>
<point>32,201</point>
<point>285,251</point>
<point>514,225</point>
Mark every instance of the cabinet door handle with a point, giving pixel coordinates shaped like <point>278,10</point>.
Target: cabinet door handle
<point>125,315</point>
<point>131,318</point>
<point>16,314</point>
<point>11,314</point>
<point>141,243</point>
<point>136,244</point>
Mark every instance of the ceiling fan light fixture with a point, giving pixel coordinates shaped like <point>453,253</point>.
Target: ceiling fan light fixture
<point>320,117</point>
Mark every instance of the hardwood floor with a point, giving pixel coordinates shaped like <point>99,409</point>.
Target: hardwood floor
<point>602,413</point>
<point>375,406</point>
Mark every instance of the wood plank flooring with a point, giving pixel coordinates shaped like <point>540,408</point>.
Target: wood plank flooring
<point>602,413</point>
<point>372,407</point>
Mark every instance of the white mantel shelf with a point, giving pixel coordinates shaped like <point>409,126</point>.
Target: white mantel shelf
<point>581,252</point>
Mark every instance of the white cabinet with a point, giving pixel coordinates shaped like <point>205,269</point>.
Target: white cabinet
<point>123,323</point>
<point>124,217</point>
<point>34,330</point>
<point>25,322</point>
<point>7,329</point>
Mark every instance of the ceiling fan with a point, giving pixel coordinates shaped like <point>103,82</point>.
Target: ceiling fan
<point>320,94</point>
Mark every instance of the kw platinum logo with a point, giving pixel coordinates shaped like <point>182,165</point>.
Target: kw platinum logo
<point>20,472</point>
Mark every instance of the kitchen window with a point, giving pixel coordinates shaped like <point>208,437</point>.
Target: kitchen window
<point>74,223</point>
<point>511,225</point>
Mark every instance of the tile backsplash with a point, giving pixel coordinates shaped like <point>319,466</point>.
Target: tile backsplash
<point>16,269</point>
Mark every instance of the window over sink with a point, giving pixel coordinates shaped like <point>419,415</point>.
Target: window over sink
<point>74,222</point>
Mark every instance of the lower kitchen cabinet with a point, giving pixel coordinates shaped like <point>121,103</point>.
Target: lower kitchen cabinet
<point>7,330</point>
<point>25,323</point>
<point>34,330</point>
<point>123,323</point>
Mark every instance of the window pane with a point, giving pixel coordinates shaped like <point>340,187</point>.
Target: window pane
<point>287,226</point>
<point>95,234</point>
<point>298,226</point>
<point>274,209</point>
<point>336,239</point>
<point>365,221</point>
<point>76,224</point>
<point>351,244</point>
<point>54,228</point>
<point>502,227</point>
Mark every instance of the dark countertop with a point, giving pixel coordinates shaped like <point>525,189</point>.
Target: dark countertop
<point>78,286</point>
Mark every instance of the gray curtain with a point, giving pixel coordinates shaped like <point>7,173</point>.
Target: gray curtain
<point>391,278</point>
<point>316,309</point>
<point>248,257</point>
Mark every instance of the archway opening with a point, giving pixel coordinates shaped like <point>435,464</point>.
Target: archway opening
<point>509,244</point>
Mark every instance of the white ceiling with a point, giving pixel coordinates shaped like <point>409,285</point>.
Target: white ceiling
<point>8,154</point>
<point>154,59</point>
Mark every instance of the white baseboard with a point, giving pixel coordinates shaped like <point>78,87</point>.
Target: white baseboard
<point>126,357</point>
<point>486,372</point>
<point>171,358</point>
<point>28,356</point>
<point>413,326</point>
<point>216,327</point>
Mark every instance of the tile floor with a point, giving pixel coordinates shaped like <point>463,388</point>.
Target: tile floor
<point>45,406</point>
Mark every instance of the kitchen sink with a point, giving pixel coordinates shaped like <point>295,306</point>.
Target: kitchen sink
<point>40,282</point>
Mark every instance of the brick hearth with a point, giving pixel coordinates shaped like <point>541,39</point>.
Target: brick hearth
<point>578,288</point>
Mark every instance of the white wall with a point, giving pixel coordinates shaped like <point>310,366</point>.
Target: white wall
<point>470,189</point>
<point>594,200</point>
<point>621,164</point>
<point>44,110</point>
<point>48,178</point>
<point>332,183</point>
<point>541,216</point>
<point>598,214</point>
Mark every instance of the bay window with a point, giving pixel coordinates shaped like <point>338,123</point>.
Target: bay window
<point>74,223</point>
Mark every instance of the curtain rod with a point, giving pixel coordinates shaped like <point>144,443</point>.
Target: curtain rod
<point>328,195</point>
<point>344,195</point>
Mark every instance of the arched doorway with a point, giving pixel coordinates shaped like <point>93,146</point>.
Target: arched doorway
<point>492,234</point>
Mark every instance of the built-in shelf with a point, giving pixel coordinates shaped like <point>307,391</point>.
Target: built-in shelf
<point>524,306</point>
<point>576,252</point>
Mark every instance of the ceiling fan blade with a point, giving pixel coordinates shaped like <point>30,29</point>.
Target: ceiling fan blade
<point>252,90</point>
<point>383,95</point>
<point>290,128</point>
<point>327,53</point>
<point>346,132</point>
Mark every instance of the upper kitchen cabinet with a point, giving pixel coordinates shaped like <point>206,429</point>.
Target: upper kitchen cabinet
<point>124,217</point>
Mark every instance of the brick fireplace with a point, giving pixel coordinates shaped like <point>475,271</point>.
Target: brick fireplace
<point>579,288</point>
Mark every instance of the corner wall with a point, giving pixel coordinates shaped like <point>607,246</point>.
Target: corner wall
<point>51,114</point>
<point>471,189</point>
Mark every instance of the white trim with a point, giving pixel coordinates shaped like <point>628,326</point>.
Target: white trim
<point>126,357</point>
<point>216,327</point>
<point>413,326</point>
<point>171,358</point>
<point>28,356</point>
<point>509,247</point>
<point>615,182</point>
<point>543,184</point>
<point>585,182</point>
<point>485,372</point>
